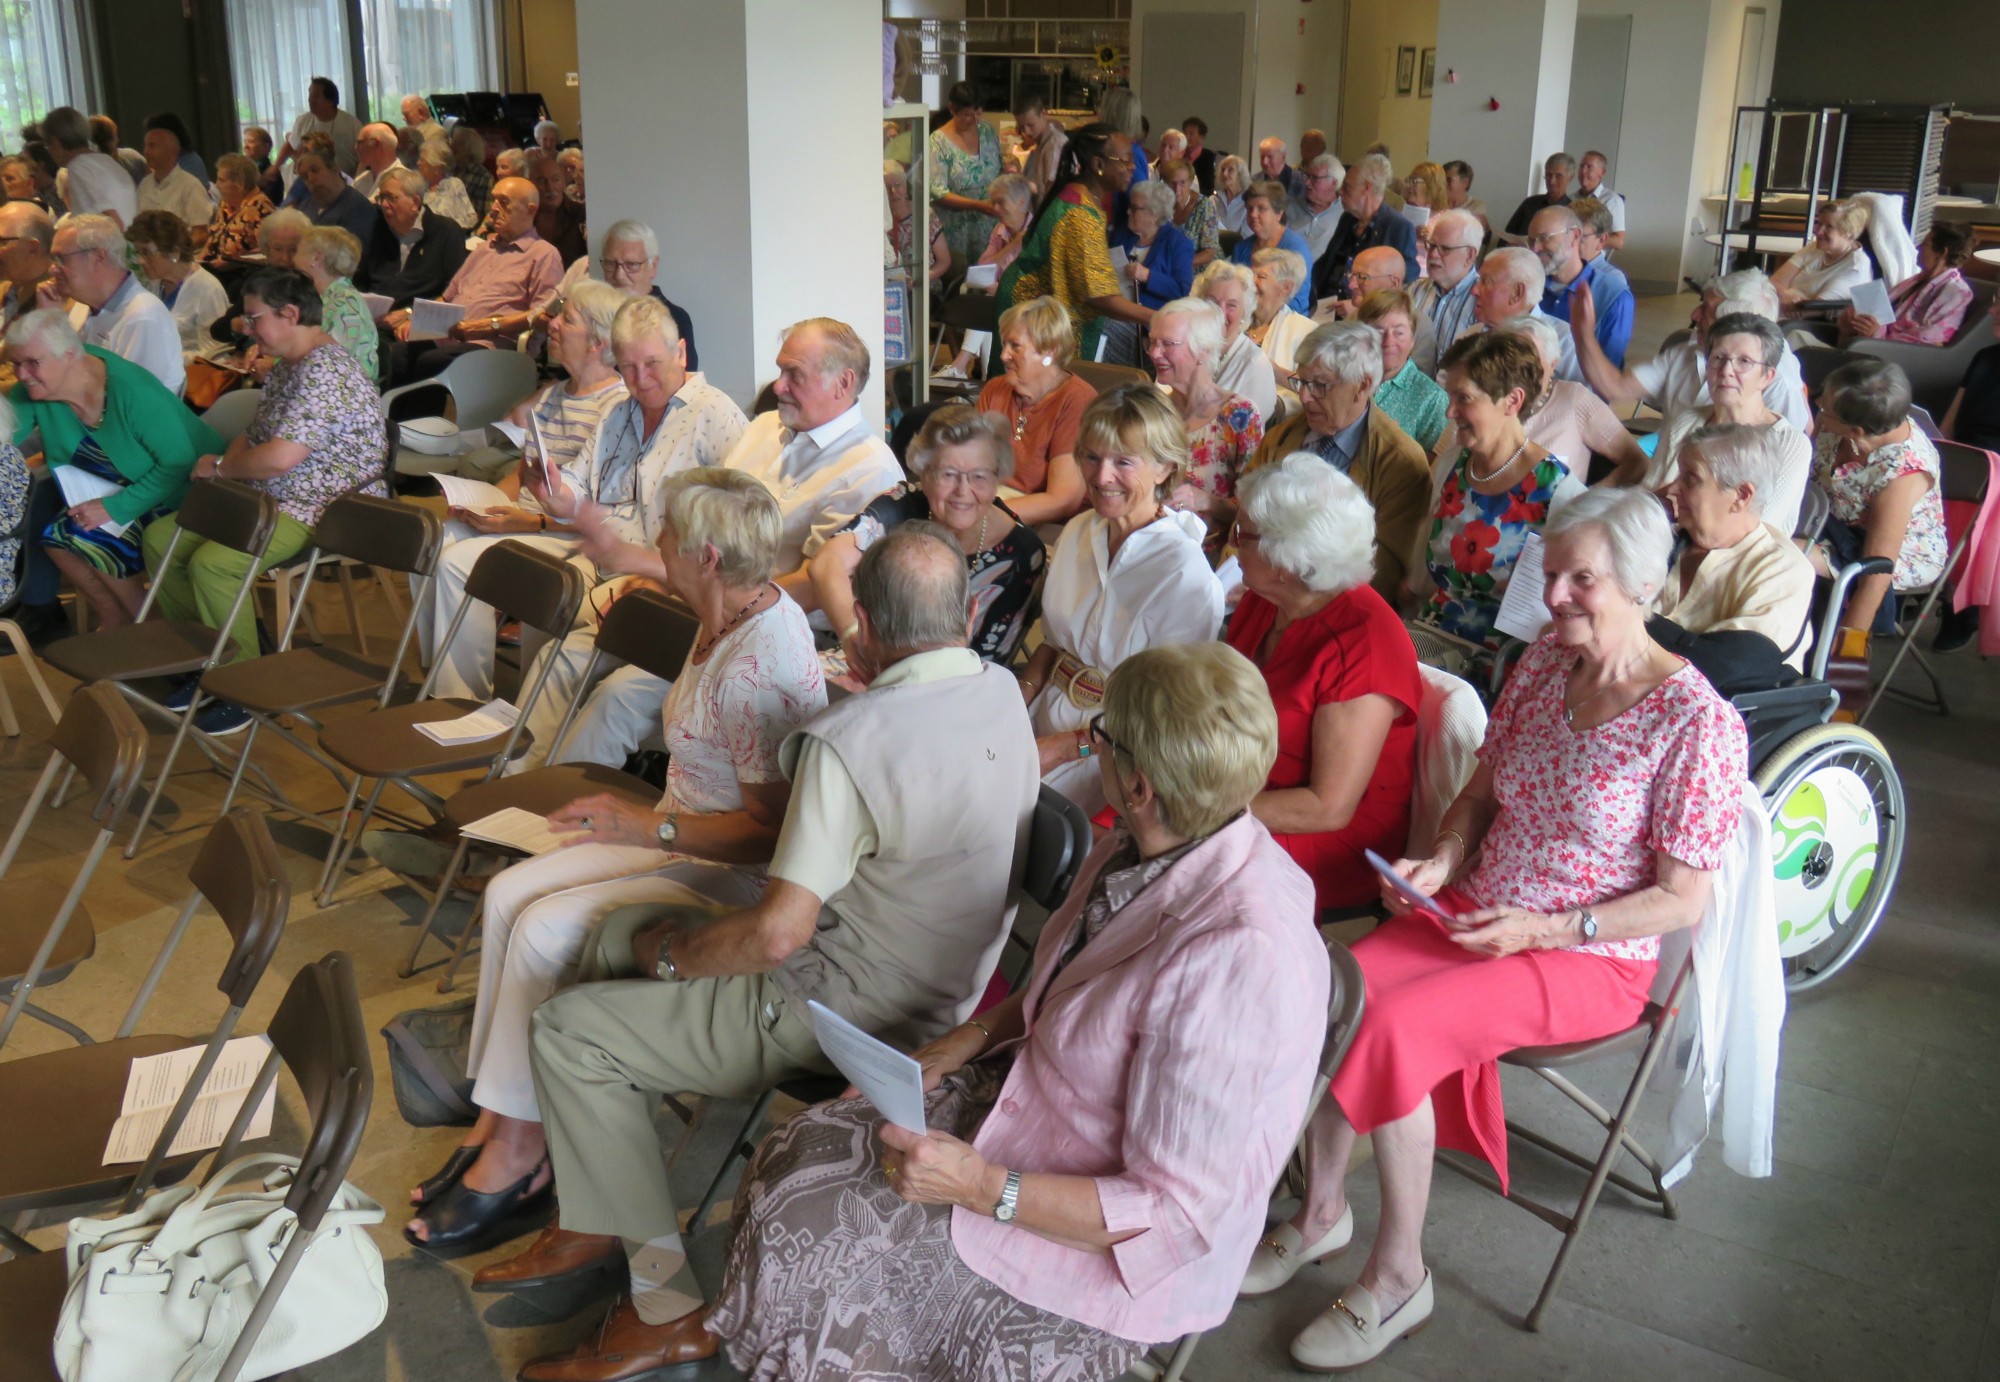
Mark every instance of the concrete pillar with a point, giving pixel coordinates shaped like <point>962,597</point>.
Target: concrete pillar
<point>748,134</point>
<point>1516,52</point>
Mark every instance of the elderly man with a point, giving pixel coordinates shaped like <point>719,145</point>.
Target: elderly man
<point>1556,173</point>
<point>1443,296</point>
<point>166,186</point>
<point>331,201</point>
<point>505,286</point>
<point>418,125</point>
<point>415,251</point>
<point>888,903</point>
<point>1271,161</point>
<point>629,258</point>
<point>1311,145</point>
<point>1675,379</point>
<point>1338,370</point>
<point>1373,270</point>
<point>93,184</point>
<point>26,235</point>
<point>1556,237</point>
<point>374,155</point>
<point>258,148</point>
<point>1510,285</point>
<point>1364,224</point>
<point>558,220</point>
<point>825,462</point>
<point>323,115</point>
<point>1316,215</point>
<point>1590,171</point>
<point>114,310</point>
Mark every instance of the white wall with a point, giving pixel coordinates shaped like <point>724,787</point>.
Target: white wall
<point>1277,61</point>
<point>1370,109</point>
<point>1515,51</point>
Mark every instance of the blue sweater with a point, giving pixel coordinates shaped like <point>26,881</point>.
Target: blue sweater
<point>1169,264</point>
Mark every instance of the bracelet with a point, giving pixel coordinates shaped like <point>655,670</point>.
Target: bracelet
<point>985,1030</point>
<point>1464,849</point>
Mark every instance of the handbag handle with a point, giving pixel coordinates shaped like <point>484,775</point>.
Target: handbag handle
<point>180,1230</point>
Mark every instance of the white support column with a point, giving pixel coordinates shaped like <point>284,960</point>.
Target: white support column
<point>1518,53</point>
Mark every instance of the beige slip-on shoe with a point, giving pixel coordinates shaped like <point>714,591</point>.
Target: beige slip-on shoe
<point>1282,1252</point>
<point>1352,1332</point>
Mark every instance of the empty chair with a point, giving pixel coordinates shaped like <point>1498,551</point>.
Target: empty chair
<point>482,385</point>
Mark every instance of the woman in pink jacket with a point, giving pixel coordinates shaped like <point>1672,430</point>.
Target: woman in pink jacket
<point>1102,1145</point>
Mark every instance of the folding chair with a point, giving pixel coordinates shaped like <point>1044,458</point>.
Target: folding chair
<point>318,1034</point>
<point>1104,378</point>
<point>650,630</point>
<point>15,635</point>
<point>482,385</point>
<point>71,1098</point>
<point>1966,492</point>
<point>232,414</point>
<point>222,511</point>
<point>1345,1001</point>
<point>543,592</point>
<point>99,736</point>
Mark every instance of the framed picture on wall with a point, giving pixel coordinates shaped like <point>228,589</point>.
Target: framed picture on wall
<point>1406,71</point>
<point>1430,68</point>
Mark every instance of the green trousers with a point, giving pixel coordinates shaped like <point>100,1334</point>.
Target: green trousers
<point>202,580</point>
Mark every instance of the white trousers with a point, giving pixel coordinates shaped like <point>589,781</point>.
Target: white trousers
<point>537,916</point>
<point>621,716</point>
<point>466,667</point>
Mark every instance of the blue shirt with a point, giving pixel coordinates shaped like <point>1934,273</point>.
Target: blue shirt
<point>1340,449</point>
<point>1610,293</point>
<point>351,211</point>
<point>1169,264</point>
<point>1287,240</point>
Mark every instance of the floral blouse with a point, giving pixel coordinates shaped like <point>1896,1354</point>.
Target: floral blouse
<point>961,174</point>
<point>450,201</point>
<point>345,317</point>
<point>13,508</point>
<point>1928,313</point>
<point>1203,225</point>
<point>1218,452</point>
<point>325,403</point>
<point>1584,813</point>
<point>233,233</point>
<point>1476,539</point>
<point>1851,486</point>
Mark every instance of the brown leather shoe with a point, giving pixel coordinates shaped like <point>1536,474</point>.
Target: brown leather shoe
<point>556,1255</point>
<point>627,1349</point>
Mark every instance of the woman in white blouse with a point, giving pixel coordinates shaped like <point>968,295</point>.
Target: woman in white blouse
<point>1242,367</point>
<point>1833,265</point>
<point>1128,574</point>
<point>751,678</point>
<point>1232,180</point>
<point>1275,326</point>
<point>195,297</point>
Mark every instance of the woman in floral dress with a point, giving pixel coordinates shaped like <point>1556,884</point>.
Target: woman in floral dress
<point>965,158</point>
<point>1224,429</point>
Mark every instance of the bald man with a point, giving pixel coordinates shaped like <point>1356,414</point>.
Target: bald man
<point>505,286</point>
<point>1373,270</point>
<point>374,154</point>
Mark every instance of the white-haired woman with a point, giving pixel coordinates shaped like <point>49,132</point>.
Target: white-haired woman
<point>1159,258</point>
<point>1232,180</point>
<point>1275,325</point>
<point>1242,368</point>
<point>751,678</point>
<point>328,256</point>
<point>1127,574</point>
<point>1833,265</point>
<point>1341,670</point>
<point>1607,791</point>
<point>1013,199</point>
<point>1738,570</point>
<point>1043,405</point>
<point>1742,354</point>
<point>960,457</point>
<point>447,195</point>
<point>1223,429</point>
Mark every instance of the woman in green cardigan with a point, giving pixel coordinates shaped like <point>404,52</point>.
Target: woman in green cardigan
<point>111,420</point>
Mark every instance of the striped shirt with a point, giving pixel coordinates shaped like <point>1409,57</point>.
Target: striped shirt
<point>568,425</point>
<point>1441,319</point>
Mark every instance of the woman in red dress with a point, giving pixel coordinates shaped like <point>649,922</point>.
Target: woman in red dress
<point>1341,671</point>
<point>1607,790</point>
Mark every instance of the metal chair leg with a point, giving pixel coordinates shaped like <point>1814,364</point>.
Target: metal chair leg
<point>742,1146</point>
<point>353,607</point>
<point>431,912</point>
<point>166,769</point>
<point>348,840</point>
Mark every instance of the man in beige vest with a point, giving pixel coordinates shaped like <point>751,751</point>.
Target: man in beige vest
<point>890,895</point>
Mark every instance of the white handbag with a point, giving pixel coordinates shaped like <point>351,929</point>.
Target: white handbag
<point>162,1293</point>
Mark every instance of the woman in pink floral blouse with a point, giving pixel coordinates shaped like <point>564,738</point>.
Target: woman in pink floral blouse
<point>1606,792</point>
<point>1223,429</point>
<point>1931,303</point>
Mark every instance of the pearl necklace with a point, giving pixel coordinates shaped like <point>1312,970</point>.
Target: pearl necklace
<point>1490,476</point>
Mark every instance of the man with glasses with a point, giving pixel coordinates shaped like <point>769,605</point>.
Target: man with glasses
<point>89,257</point>
<point>1443,297</point>
<point>375,152</point>
<point>26,234</point>
<point>415,250</point>
<point>1316,215</point>
<point>630,259</point>
<point>1374,269</point>
<point>1555,235</point>
<point>1364,225</point>
<point>506,286</point>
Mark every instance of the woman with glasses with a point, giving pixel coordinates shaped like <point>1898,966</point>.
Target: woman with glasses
<point>960,458</point>
<point>965,158</point>
<point>1194,213</point>
<point>1264,229</point>
<point>232,231</point>
<point>1744,351</point>
<point>1127,574</point>
<point>1242,367</point>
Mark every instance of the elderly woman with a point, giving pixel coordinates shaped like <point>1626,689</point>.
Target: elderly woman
<point>1223,429</point>
<point>571,162</point>
<point>1159,259</point>
<point>116,423</point>
<point>166,259</point>
<point>1274,326</point>
<point>1736,571</point>
<point>1013,199</point>
<point>1195,215</point>
<point>1127,574</point>
<point>1744,351</point>
<point>1931,303</point>
<point>1564,418</point>
<point>1833,265</point>
<point>1406,393</point>
<point>1424,188</point>
<point>1607,792</point>
<point>278,236</point>
<point>1043,405</point>
<point>1498,488</point>
<point>1242,368</point>
<point>1341,671</point>
<point>447,195</point>
<point>1064,1207</point>
<point>1264,229</point>
<point>960,458</point>
<point>468,165</point>
<point>751,679</point>
<point>241,208</point>
<point>328,256</point>
<point>1232,183</point>
<point>965,158</point>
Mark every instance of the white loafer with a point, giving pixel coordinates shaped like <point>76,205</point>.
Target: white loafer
<point>1282,1252</point>
<point>1352,1331</point>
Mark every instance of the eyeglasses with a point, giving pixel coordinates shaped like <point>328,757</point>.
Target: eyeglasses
<point>1735,364</point>
<point>1109,159</point>
<point>63,256</point>
<point>971,479</point>
<point>1547,237</point>
<point>622,266</point>
<point>1435,248</point>
<point>1243,539</point>
<point>1310,388</point>
<point>1099,735</point>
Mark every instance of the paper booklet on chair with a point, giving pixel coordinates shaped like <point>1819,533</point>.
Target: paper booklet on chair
<point>79,486</point>
<point>431,319</point>
<point>517,829</point>
<point>1523,614</point>
<point>154,1086</point>
<point>476,495</point>
<point>490,721</point>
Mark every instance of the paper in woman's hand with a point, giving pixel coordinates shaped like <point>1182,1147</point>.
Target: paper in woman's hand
<point>1401,887</point>
<point>886,1077</point>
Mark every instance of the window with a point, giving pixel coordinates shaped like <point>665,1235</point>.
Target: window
<point>37,63</point>
<point>423,46</point>
<point>276,47</point>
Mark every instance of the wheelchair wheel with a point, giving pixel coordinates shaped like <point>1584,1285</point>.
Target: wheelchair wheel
<point>1837,825</point>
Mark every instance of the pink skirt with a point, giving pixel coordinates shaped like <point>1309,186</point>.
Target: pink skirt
<point>1439,1017</point>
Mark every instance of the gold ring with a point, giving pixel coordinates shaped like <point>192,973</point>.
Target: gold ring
<point>889,1171</point>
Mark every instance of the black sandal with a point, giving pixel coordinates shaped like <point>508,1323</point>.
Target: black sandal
<point>447,1175</point>
<point>462,1217</point>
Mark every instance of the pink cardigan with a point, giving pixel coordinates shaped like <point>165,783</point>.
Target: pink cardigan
<point>1171,1060</point>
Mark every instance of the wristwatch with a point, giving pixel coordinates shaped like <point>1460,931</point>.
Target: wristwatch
<point>1010,1199</point>
<point>1587,924</point>
<point>670,830</point>
<point>664,968</point>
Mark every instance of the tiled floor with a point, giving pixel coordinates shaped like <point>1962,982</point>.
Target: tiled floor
<point>1874,1253</point>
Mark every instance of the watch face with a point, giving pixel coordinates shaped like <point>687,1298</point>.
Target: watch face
<point>1004,1213</point>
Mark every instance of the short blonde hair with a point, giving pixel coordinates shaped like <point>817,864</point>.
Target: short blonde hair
<point>337,250</point>
<point>730,511</point>
<point>1311,521</point>
<point>1850,218</point>
<point>1137,419</point>
<point>1288,265</point>
<point>1196,719</point>
<point>1047,325</point>
<point>598,304</point>
<point>961,424</point>
<point>1227,271</point>
<point>639,318</point>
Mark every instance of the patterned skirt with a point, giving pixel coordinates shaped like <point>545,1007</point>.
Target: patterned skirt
<point>833,1275</point>
<point>115,556</point>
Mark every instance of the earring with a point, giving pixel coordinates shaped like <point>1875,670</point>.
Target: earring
<point>1048,359</point>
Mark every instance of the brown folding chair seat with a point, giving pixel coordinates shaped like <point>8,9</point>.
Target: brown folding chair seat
<point>542,591</point>
<point>318,1034</point>
<point>71,1098</point>
<point>100,737</point>
<point>653,632</point>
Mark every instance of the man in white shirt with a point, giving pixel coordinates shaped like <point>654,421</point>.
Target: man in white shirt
<point>169,187</point>
<point>93,184</point>
<point>1316,215</point>
<point>1590,183</point>
<point>323,115</point>
<point>114,311</point>
<point>1510,285</point>
<point>375,154</point>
